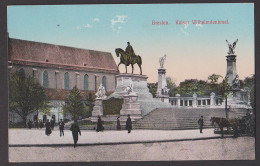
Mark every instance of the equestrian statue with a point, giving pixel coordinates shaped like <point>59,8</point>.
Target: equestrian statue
<point>128,57</point>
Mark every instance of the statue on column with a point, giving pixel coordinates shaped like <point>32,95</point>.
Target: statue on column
<point>101,93</point>
<point>129,88</point>
<point>231,47</point>
<point>161,61</point>
<point>236,82</point>
<point>128,57</point>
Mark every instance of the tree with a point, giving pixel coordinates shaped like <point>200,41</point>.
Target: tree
<point>171,86</point>
<point>153,88</point>
<point>26,95</point>
<point>250,83</point>
<point>191,86</point>
<point>89,105</point>
<point>225,90</point>
<point>74,104</point>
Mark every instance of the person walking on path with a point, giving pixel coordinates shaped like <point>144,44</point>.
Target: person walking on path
<point>61,126</point>
<point>41,124</point>
<point>128,124</point>
<point>30,124</point>
<point>75,131</point>
<point>201,123</point>
<point>100,126</point>
<point>48,128</point>
<point>118,126</point>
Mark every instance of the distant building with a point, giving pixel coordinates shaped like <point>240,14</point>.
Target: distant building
<point>59,69</point>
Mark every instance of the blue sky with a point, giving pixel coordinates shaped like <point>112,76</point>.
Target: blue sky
<point>192,51</point>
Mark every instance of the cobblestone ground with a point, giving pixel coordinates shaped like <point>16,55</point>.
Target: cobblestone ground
<point>242,148</point>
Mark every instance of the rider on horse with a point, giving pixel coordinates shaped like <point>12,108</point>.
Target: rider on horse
<point>129,50</point>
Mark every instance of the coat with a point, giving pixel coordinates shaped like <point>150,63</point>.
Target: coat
<point>48,128</point>
<point>75,131</point>
<point>100,126</point>
<point>128,124</point>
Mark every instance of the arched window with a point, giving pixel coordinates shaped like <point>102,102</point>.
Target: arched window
<point>104,82</point>
<point>86,82</point>
<point>45,81</point>
<point>22,72</point>
<point>66,81</point>
<point>95,83</point>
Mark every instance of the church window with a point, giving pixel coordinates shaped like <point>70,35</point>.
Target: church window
<point>104,82</point>
<point>86,82</point>
<point>45,80</point>
<point>66,80</point>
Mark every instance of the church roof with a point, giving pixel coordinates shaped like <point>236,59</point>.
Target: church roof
<point>56,56</point>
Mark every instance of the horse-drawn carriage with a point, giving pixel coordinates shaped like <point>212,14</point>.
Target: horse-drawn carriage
<point>236,126</point>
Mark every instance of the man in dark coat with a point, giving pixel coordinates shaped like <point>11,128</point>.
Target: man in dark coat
<point>129,50</point>
<point>61,126</point>
<point>201,123</point>
<point>30,124</point>
<point>48,127</point>
<point>75,131</point>
<point>41,124</point>
<point>100,126</point>
<point>128,124</point>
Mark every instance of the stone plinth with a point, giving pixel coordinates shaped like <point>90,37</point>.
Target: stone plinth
<point>97,109</point>
<point>161,81</point>
<point>164,98</point>
<point>231,68</point>
<point>140,88</point>
<point>132,107</point>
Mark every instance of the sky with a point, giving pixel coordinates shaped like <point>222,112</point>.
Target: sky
<point>194,51</point>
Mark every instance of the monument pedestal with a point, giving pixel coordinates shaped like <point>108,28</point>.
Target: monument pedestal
<point>164,98</point>
<point>97,110</point>
<point>132,107</point>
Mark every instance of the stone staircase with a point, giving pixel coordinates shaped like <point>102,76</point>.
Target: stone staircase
<point>182,118</point>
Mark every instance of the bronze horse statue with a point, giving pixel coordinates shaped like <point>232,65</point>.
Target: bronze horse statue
<point>127,60</point>
<point>223,122</point>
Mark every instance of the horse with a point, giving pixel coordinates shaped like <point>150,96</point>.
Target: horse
<point>127,60</point>
<point>223,122</point>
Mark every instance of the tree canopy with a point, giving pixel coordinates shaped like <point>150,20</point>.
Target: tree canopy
<point>26,95</point>
<point>74,104</point>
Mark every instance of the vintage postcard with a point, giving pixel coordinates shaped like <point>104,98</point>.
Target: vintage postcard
<point>135,82</point>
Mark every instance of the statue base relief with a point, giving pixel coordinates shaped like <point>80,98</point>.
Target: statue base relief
<point>132,107</point>
<point>140,88</point>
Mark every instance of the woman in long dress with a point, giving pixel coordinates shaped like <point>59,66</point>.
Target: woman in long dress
<point>48,128</point>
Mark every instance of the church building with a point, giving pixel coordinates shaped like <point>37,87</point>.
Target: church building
<point>59,69</point>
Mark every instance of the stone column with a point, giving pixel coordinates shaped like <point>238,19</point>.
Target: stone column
<point>194,100</point>
<point>212,99</point>
<point>178,100</point>
<point>231,68</point>
<point>161,81</point>
<point>98,108</point>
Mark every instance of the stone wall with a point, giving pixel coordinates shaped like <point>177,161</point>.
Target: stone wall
<point>110,78</point>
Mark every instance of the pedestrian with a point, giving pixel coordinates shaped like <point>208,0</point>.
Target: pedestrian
<point>61,126</point>
<point>100,126</point>
<point>128,124</point>
<point>48,128</point>
<point>118,126</point>
<point>52,123</point>
<point>75,131</point>
<point>201,123</point>
<point>36,124</point>
<point>41,124</point>
<point>30,124</point>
